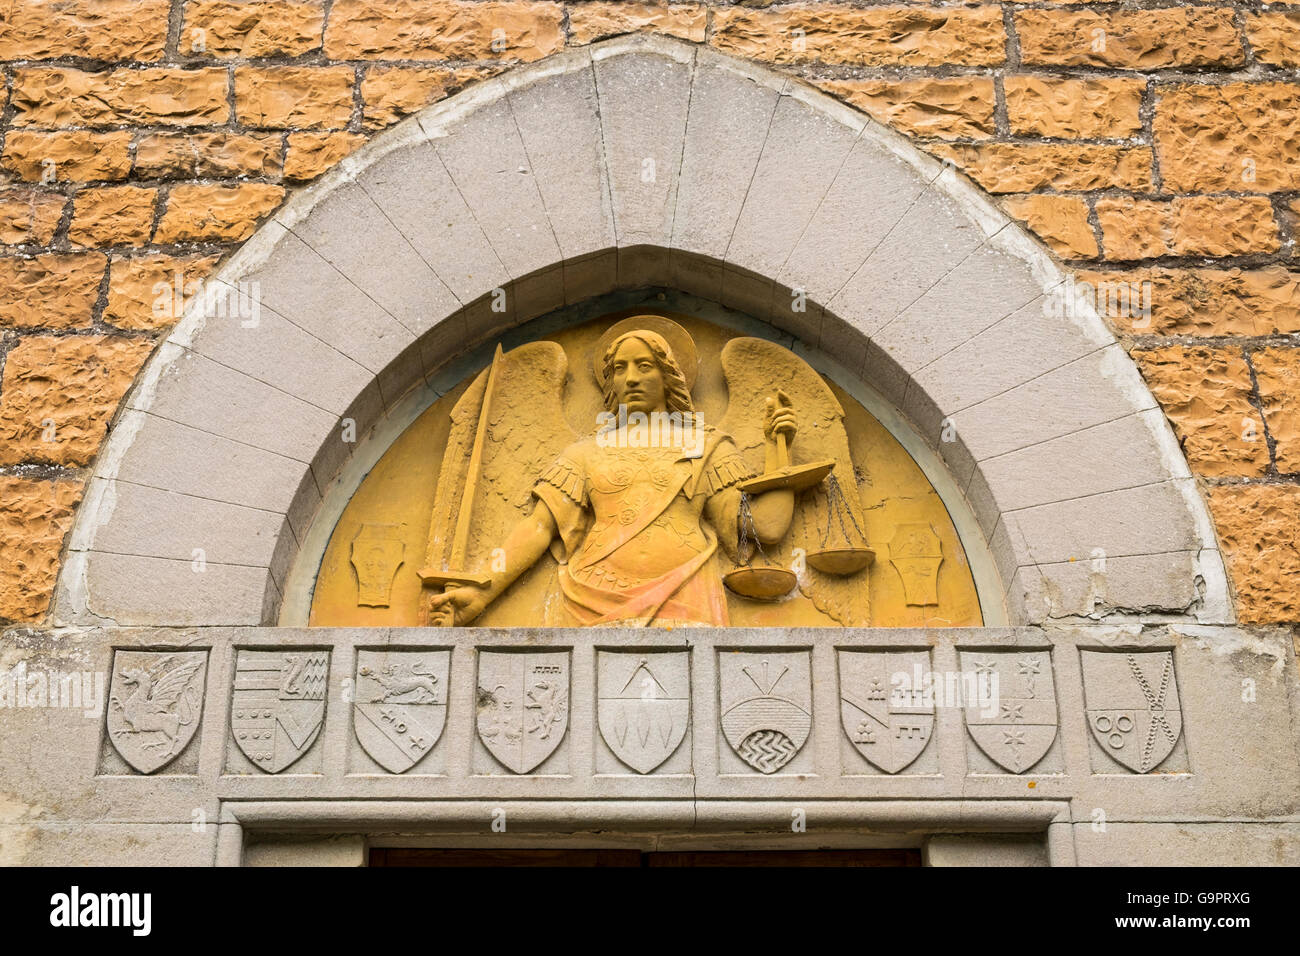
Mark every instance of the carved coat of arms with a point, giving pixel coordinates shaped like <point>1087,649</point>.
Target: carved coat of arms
<point>523,705</point>
<point>278,705</point>
<point>766,706</point>
<point>888,718</point>
<point>644,706</point>
<point>1131,700</point>
<point>1016,725</point>
<point>401,705</point>
<point>155,704</point>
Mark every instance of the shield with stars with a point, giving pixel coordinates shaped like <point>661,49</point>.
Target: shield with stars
<point>644,704</point>
<point>1011,715</point>
<point>278,705</point>
<point>884,706</point>
<point>1131,699</point>
<point>401,705</point>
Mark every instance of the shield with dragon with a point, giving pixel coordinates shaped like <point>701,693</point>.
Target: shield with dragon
<point>278,705</point>
<point>523,706</point>
<point>401,705</point>
<point>155,704</point>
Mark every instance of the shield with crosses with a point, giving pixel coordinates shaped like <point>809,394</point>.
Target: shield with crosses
<point>1015,723</point>
<point>401,705</point>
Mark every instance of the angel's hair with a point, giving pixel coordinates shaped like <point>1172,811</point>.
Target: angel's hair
<point>677,393</point>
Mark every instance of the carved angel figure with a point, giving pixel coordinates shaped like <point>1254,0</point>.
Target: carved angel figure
<point>635,513</point>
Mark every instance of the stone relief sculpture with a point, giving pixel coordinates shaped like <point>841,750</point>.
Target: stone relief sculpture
<point>1132,706</point>
<point>155,704</point>
<point>639,512</point>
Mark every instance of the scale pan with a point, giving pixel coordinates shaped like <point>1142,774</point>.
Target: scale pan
<point>761,584</point>
<point>842,561</point>
<point>793,477</point>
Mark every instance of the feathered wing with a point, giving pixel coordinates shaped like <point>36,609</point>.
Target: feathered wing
<point>526,431</point>
<point>755,369</point>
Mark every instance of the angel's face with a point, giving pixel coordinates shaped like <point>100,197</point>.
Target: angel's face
<point>638,380</point>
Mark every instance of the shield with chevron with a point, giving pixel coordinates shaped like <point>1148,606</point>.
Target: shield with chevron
<point>279,704</point>
<point>766,705</point>
<point>644,704</point>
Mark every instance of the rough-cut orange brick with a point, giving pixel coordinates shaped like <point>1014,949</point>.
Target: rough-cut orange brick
<point>318,97</point>
<point>596,20</point>
<point>199,213</point>
<point>1094,108</point>
<point>310,154</point>
<point>1277,373</point>
<point>59,393</point>
<point>29,215</point>
<point>158,96</point>
<point>1239,137</point>
<point>68,156</point>
<point>1129,39</point>
<point>1187,226</point>
<point>391,92</point>
<point>109,30</point>
<point>1133,228</point>
<point>443,30</point>
<point>1205,392</point>
<point>1025,167</point>
<point>251,28</point>
<point>35,515</point>
<point>1212,301</point>
<point>112,216</point>
<point>50,291</point>
<point>960,108</point>
<point>1062,222</point>
<point>1275,37</point>
<point>207,155</point>
<point>151,292</point>
<point>871,36</point>
<point>1259,530</point>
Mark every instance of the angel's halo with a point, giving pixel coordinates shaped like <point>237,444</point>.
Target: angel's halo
<point>678,339</point>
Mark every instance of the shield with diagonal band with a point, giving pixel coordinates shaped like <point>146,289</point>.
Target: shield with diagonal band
<point>278,705</point>
<point>1015,726</point>
<point>889,720</point>
<point>644,704</point>
<point>523,705</point>
<point>401,705</point>
<point>1131,699</point>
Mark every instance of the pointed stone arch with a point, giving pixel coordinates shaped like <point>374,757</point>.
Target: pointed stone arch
<point>639,162</point>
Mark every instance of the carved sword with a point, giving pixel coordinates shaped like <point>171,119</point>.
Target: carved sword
<point>444,564</point>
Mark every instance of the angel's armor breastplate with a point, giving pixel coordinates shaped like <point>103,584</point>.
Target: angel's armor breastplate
<point>623,483</point>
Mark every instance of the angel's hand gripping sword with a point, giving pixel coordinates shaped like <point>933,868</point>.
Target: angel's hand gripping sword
<point>445,558</point>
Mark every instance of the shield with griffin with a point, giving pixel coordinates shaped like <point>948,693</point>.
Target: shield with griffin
<point>401,705</point>
<point>1014,723</point>
<point>278,705</point>
<point>154,706</point>
<point>766,705</point>
<point>523,705</point>
<point>884,706</point>
<point>1131,700</point>
<point>644,705</point>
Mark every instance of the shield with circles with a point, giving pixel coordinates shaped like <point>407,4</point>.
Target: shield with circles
<point>766,705</point>
<point>1131,701</point>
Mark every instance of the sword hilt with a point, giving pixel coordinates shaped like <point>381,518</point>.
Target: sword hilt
<point>450,580</point>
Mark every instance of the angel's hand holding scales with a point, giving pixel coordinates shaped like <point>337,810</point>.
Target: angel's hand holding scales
<point>780,419</point>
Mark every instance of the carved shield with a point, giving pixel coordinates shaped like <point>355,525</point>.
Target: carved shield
<point>1014,726</point>
<point>884,706</point>
<point>523,705</point>
<point>1131,700</point>
<point>644,705</point>
<point>155,703</point>
<point>766,706</point>
<point>401,705</point>
<point>278,705</point>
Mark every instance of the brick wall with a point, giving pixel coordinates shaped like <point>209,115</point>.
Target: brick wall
<point>1155,147</point>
